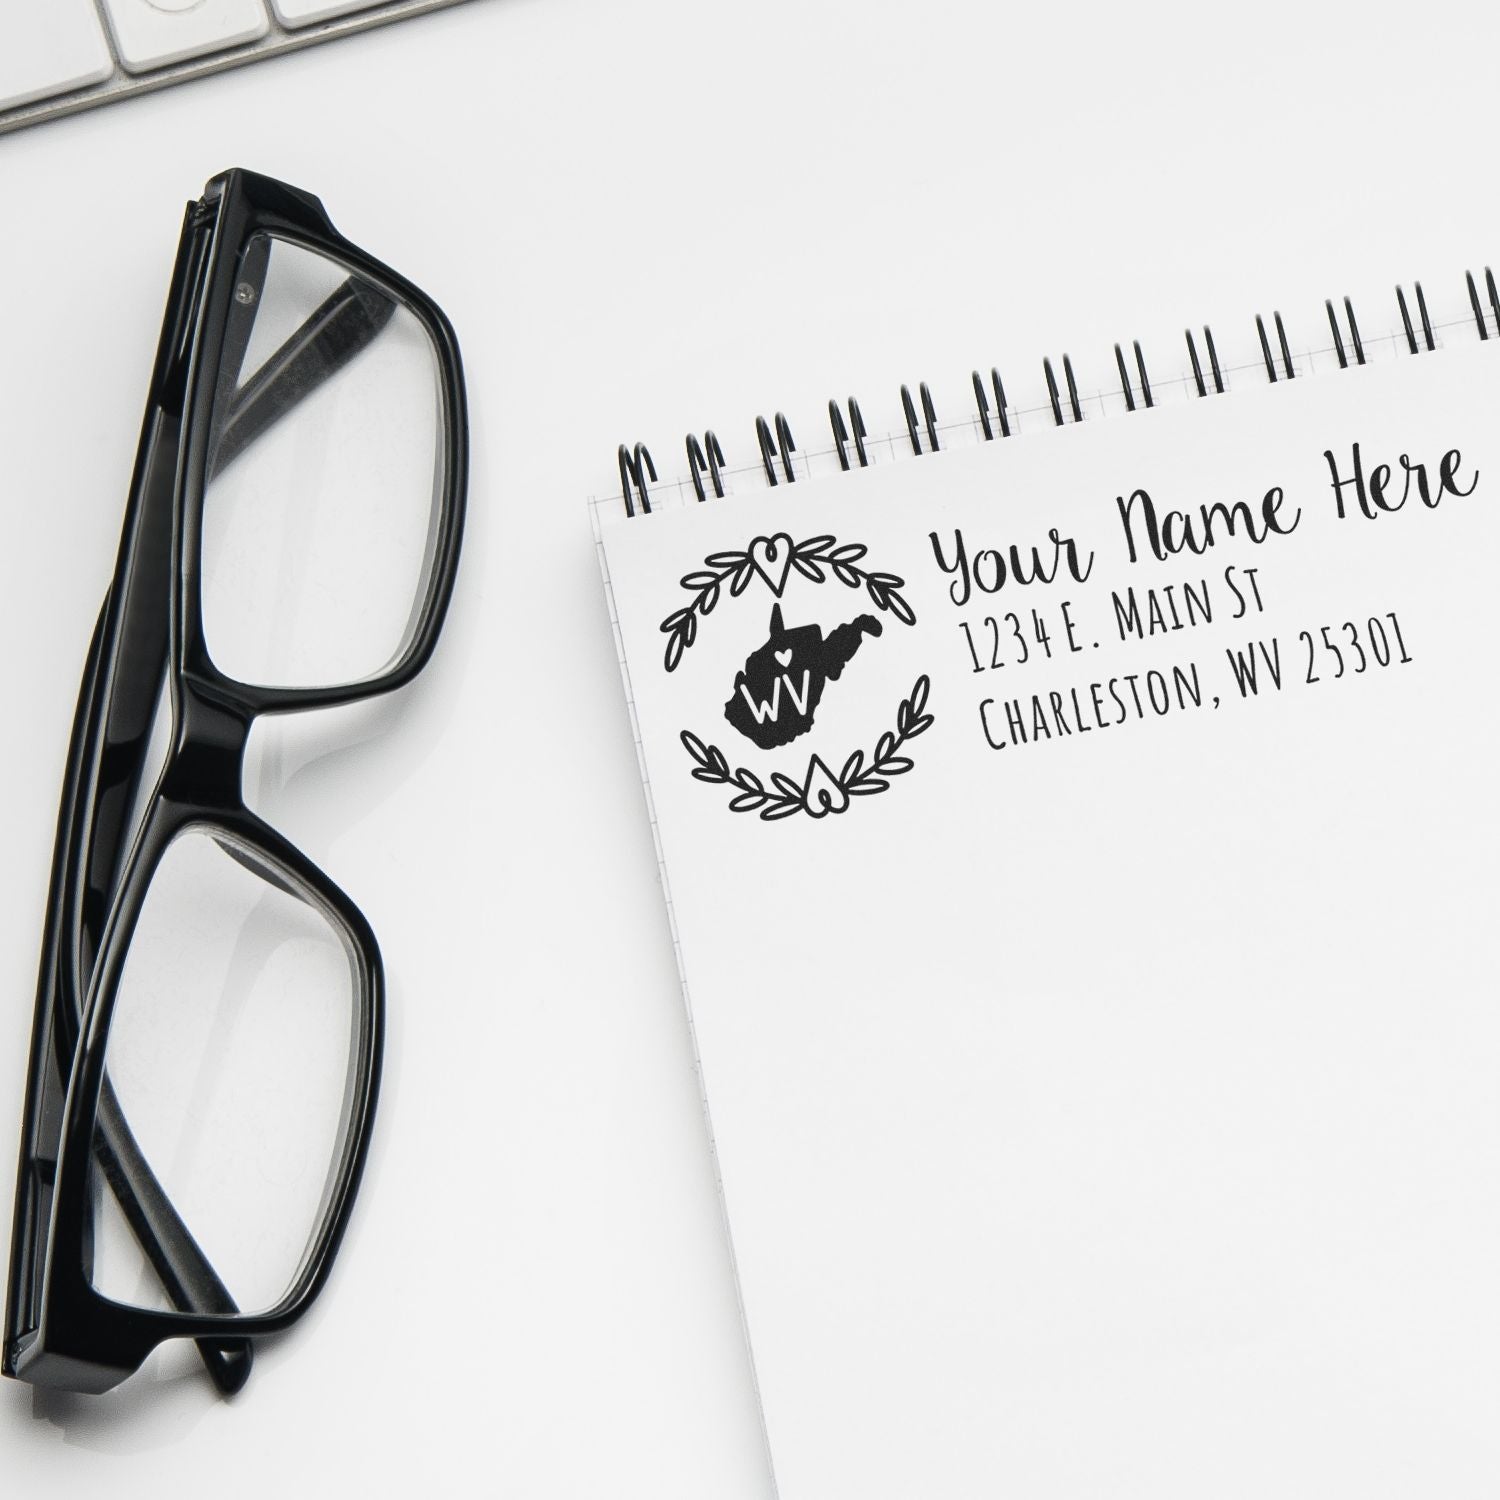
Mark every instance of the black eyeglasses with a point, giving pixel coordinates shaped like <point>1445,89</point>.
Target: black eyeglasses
<point>206,1045</point>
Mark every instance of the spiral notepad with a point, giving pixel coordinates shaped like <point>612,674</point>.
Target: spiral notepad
<point>1077,821</point>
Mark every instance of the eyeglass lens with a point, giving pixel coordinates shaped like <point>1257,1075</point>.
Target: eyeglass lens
<point>229,1066</point>
<point>325,473</point>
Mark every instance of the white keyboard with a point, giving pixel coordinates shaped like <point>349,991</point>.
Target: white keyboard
<point>57,56</point>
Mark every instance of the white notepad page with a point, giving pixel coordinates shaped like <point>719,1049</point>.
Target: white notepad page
<point>1110,1106</point>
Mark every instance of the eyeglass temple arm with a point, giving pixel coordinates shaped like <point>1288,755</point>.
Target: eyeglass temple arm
<point>186,1274</point>
<point>345,324</point>
<point>176,1257</point>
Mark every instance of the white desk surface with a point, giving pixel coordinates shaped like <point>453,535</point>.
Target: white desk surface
<point>641,218</point>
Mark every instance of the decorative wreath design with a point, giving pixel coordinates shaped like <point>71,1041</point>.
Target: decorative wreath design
<point>821,792</point>
<point>772,559</point>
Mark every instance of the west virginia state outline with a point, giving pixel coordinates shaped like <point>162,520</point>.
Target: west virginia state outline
<point>778,692</point>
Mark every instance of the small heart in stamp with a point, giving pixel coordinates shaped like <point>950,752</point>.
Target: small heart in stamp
<point>771,557</point>
<point>784,657</point>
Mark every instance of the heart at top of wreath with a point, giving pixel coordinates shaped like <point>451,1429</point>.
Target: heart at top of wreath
<point>771,557</point>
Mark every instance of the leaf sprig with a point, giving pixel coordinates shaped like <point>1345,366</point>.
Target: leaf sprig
<point>814,559</point>
<point>860,777</point>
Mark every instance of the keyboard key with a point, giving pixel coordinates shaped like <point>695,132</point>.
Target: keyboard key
<point>48,47</point>
<point>152,33</point>
<point>305,12</point>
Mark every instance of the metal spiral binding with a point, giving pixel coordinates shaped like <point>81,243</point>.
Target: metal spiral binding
<point>1140,364</point>
<point>929,416</point>
<point>1057,415</point>
<point>698,464</point>
<point>1213,360</point>
<point>776,445</point>
<point>1489,285</point>
<point>769,446</point>
<point>982,402</point>
<point>841,433</point>
<point>1265,347</point>
<point>1354,339</point>
<point>630,473</point>
<point>1411,338</point>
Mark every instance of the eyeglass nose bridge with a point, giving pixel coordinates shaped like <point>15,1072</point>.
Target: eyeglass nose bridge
<point>208,748</point>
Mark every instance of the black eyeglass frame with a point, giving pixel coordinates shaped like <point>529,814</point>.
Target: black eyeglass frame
<point>59,1330</point>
